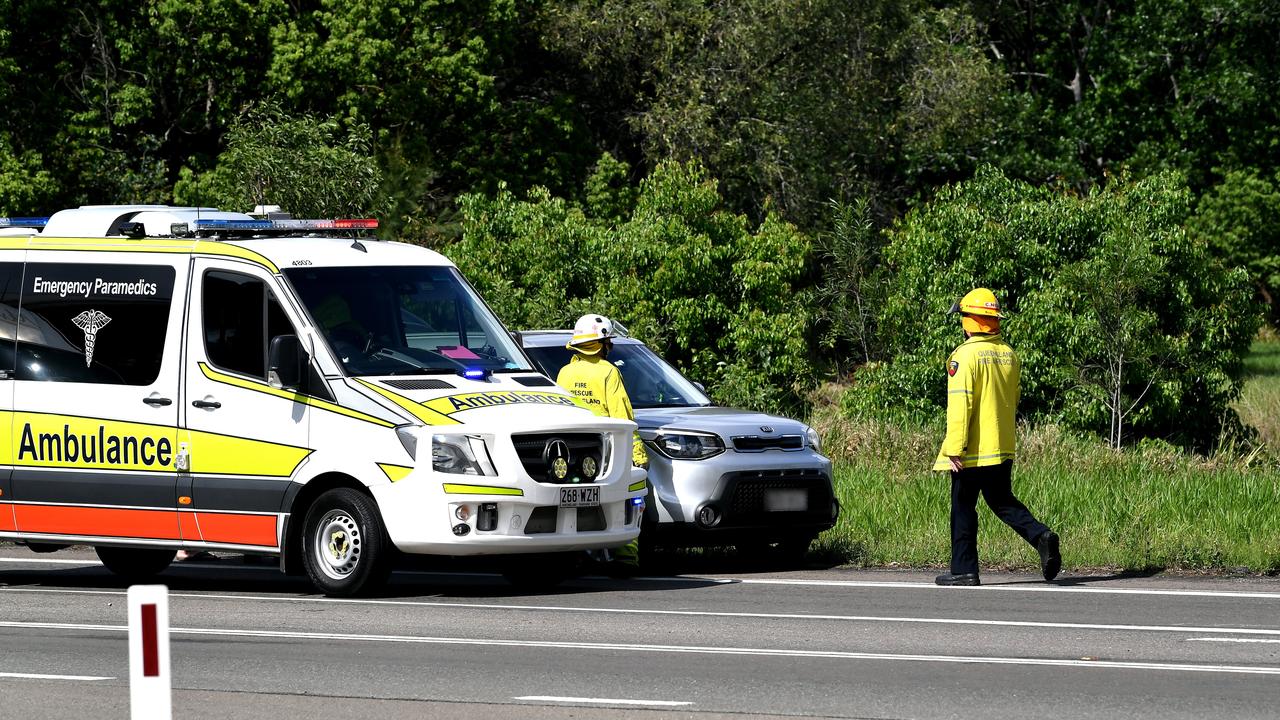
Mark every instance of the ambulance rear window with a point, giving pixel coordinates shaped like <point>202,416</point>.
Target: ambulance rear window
<point>93,323</point>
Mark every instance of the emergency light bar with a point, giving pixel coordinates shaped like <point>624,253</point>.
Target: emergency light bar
<point>205,227</point>
<point>24,222</point>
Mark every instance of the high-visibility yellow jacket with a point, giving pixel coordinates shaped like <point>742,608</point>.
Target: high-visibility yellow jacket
<point>597,384</point>
<point>982,400</point>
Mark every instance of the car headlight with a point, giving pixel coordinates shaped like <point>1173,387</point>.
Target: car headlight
<point>811,435</point>
<point>461,455</point>
<point>686,445</point>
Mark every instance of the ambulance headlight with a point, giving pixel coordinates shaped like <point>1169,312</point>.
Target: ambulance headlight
<point>461,455</point>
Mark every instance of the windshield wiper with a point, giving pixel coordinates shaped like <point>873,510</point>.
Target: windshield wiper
<point>421,371</point>
<point>506,371</point>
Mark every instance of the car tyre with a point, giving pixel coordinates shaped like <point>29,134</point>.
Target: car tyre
<point>135,563</point>
<point>345,548</point>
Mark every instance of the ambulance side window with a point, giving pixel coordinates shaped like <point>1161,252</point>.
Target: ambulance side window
<point>241,316</point>
<point>10,289</point>
<point>234,307</point>
<point>93,323</point>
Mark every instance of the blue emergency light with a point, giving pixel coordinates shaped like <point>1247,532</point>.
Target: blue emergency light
<point>476,373</point>
<point>207,224</point>
<point>24,222</point>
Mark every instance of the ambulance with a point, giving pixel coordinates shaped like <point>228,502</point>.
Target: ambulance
<point>187,378</point>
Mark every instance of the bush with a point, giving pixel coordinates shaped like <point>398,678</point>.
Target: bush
<point>1094,282</point>
<point>719,301</point>
<point>1240,220</point>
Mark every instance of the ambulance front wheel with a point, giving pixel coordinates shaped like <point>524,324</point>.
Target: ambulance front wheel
<point>135,563</point>
<point>345,546</point>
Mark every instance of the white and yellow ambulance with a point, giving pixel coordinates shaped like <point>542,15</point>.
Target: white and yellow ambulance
<point>185,378</point>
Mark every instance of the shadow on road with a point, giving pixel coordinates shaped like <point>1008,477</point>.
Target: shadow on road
<point>433,578</point>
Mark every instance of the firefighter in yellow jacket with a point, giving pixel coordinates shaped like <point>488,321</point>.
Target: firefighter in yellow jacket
<point>982,401</point>
<point>597,383</point>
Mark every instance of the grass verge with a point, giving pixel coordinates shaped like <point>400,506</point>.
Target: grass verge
<point>1149,507</point>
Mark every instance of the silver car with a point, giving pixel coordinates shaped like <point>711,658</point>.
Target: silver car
<point>717,476</point>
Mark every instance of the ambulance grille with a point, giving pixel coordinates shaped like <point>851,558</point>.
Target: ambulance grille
<point>428,384</point>
<point>530,448</point>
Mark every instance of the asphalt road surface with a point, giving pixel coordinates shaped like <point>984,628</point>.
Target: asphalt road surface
<point>248,642</point>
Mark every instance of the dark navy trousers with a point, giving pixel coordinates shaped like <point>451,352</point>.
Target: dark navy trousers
<point>995,484</point>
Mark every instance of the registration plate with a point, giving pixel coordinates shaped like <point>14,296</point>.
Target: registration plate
<point>786,500</point>
<point>584,496</point>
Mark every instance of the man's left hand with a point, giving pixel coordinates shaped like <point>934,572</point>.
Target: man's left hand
<point>957,463</point>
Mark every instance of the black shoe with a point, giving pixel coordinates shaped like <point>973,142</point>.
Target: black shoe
<point>961,579</point>
<point>1050,554</point>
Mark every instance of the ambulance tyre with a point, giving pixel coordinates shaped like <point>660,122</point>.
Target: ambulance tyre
<point>135,563</point>
<point>345,548</point>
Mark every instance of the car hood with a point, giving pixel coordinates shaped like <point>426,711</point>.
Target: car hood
<point>724,421</point>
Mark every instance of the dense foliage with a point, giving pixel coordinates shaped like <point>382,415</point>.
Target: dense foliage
<point>762,148</point>
<point>1119,316</point>
<point>712,295</point>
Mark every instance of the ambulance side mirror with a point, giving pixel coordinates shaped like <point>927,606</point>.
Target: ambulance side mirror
<point>288,362</point>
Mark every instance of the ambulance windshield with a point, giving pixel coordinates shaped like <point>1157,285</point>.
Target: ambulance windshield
<point>405,321</point>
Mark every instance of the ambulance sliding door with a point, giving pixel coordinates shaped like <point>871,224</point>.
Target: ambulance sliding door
<point>95,397</point>
<point>246,438</point>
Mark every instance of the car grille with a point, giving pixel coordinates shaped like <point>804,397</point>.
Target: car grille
<point>754,443</point>
<point>581,445</point>
<point>744,496</point>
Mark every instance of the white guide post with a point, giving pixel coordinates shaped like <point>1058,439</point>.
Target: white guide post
<point>150,687</point>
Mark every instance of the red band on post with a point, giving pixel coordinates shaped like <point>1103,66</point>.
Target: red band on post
<point>150,646</point>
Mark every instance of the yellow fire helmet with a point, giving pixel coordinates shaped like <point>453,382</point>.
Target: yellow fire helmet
<point>979,301</point>
<point>588,333</point>
<point>979,312</point>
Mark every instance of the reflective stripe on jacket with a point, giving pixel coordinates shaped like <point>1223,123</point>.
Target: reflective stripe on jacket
<point>597,384</point>
<point>982,400</point>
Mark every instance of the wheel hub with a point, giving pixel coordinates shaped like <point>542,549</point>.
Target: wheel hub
<point>337,544</point>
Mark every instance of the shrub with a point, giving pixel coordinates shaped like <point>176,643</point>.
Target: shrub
<point>691,279</point>
<point>1092,280</point>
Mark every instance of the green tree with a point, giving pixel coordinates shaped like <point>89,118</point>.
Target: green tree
<point>722,302</point>
<point>1240,219</point>
<point>310,167</point>
<point>793,102</point>
<point>1183,320</point>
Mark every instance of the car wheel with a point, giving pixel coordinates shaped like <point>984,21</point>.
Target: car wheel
<point>135,563</point>
<point>345,546</point>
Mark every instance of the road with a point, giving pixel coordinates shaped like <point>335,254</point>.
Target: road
<point>249,642</point>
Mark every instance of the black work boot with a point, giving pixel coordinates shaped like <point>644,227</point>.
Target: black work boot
<point>1050,554</point>
<point>960,579</point>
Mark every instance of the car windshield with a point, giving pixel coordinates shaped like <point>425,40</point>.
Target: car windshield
<point>650,381</point>
<point>404,320</point>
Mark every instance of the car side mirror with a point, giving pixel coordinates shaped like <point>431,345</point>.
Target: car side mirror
<point>288,362</point>
<point>515,335</point>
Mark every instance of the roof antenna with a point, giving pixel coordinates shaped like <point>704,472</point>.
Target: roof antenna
<point>357,245</point>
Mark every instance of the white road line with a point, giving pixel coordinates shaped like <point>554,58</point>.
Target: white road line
<point>601,701</point>
<point>674,649</point>
<point>50,561</point>
<point>1233,640</point>
<point>1014,586</point>
<point>1024,586</point>
<point>38,676</point>
<point>697,613</point>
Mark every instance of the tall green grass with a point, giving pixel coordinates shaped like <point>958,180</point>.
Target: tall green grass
<point>1148,507</point>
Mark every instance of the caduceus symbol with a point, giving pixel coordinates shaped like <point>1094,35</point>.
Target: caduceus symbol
<point>90,321</point>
